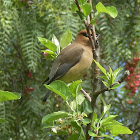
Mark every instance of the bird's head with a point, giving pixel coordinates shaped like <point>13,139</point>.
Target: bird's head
<point>82,38</point>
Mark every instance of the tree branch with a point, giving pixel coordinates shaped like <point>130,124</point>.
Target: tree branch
<point>95,48</point>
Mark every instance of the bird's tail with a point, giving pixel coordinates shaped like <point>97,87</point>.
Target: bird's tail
<point>46,97</point>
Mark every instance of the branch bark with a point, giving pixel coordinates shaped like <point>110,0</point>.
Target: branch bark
<point>95,48</point>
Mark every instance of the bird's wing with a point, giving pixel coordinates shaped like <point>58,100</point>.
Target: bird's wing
<point>68,57</point>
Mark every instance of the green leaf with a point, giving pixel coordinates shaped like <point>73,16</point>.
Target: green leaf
<point>79,128</point>
<point>115,86</point>
<point>74,7</point>
<point>81,2</point>
<point>106,84</point>
<point>100,67</point>
<point>2,120</point>
<point>73,104</point>
<point>110,124</point>
<point>66,38</point>
<point>107,119</point>
<point>47,43</point>
<point>76,125</point>
<point>86,9</point>
<point>111,77</point>
<point>118,129</point>
<point>87,106</point>
<point>6,95</point>
<point>59,88</point>
<point>111,10</point>
<point>82,135</point>
<point>50,54</point>
<point>75,87</point>
<point>86,121</point>
<point>104,77</point>
<point>92,134</point>
<point>94,116</point>
<point>54,116</point>
<point>80,98</point>
<point>56,42</point>
<point>103,135</point>
<point>106,108</point>
<point>73,137</point>
<point>117,71</point>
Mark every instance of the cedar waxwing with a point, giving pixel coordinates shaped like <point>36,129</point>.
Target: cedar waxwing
<point>73,61</point>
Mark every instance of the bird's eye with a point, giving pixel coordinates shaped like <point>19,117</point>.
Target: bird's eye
<point>85,34</point>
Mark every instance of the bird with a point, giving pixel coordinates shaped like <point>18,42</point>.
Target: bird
<point>73,61</point>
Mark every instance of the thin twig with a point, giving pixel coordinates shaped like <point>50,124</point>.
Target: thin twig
<point>76,2</point>
<point>88,31</point>
<point>86,94</point>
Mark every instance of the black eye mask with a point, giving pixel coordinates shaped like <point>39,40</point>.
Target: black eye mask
<point>85,34</point>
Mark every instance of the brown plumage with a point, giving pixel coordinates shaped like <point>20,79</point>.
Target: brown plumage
<point>72,62</point>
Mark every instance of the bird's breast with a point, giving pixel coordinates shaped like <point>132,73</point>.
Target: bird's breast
<point>79,70</point>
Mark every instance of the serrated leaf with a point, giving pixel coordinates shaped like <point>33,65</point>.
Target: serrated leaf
<point>118,129</point>
<point>59,88</point>
<point>54,116</point>
<point>66,39</point>
<point>6,95</point>
<point>92,134</point>
<point>100,67</point>
<point>111,10</point>
<point>48,44</point>
<point>86,9</point>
